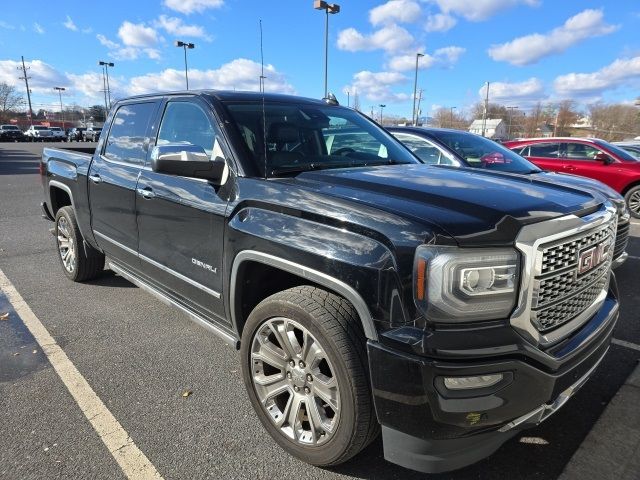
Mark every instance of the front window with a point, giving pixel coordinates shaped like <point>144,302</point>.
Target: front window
<point>9,127</point>
<point>424,150</point>
<point>480,152</point>
<point>290,138</point>
<point>580,151</point>
<point>40,128</point>
<point>623,154</point>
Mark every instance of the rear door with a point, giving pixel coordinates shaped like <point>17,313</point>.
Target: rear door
<point>113,177</point>
<point>180,219</point>
<point>545,155</point>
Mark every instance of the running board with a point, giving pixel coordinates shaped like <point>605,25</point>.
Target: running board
<point>226,337</point>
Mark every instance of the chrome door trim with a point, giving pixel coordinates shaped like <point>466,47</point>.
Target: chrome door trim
<point>320,278</point>
<point>225,336</point>
<point>159,265</point>
<point>528,242</point>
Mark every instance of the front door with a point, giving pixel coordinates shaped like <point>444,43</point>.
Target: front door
<point>112,181</point>
<point>180,219</point>
<point>580,159</point>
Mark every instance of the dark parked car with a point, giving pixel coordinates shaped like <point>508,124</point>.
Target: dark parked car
<point>11,133</point>
<point>588,157</point>
<point>91,134</point>
<point>75,134</point>
<point>364,289</point>
<point>457,148</point>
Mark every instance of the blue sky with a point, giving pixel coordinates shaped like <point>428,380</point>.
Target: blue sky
<point>529,50</point>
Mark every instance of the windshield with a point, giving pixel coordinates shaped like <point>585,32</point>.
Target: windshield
<point>480,152</point>
<point>9,127</point>
<point>632,149</point>
<point>55,129</point>
<point>301,137</point>
<point>623,154</point>
<point>40,128</point>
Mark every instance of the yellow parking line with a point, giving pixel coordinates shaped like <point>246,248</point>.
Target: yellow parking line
<point>134,463</point>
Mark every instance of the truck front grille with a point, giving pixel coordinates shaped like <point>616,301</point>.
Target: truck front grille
<point>622,238</point>
<point>560,293</point>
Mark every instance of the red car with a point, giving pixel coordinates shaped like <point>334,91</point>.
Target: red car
<point>588,157</point>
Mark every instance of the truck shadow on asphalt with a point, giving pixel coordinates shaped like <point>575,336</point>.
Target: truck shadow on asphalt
<point>18,162</point>
<point>110,279</point>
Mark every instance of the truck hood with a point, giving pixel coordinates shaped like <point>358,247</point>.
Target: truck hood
<point>473,206</point>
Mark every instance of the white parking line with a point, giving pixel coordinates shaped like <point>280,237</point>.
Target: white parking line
<point>132,461</point>
<point>624,343</point>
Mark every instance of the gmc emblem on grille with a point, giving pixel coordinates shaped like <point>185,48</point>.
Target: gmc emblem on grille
<point>594,256</point>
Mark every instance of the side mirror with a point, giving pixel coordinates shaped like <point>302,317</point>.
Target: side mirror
<point>187,160</point>
<point>603,157</point>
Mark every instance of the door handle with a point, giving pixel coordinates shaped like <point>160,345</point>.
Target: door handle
<point>570,168</point>
<point>146,192</point>
<point>95,178</point>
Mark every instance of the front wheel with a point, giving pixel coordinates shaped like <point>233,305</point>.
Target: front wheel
<point>79,263</point>
<point>633,201</point>
<point>305,367</point>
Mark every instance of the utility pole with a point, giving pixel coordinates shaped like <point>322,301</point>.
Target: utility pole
<point>485,111</point>
<point>510,110</point>
<point>414,116</point>
<point>555,124</point>
<point>60,90</point>
<point>104,89</point>
<point>452,109</point>
<point>348,100</point>
<point>418,109</point>
<point>26,82</point>
<point>381,107</point>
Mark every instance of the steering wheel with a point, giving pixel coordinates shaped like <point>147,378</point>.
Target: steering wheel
<point>343,151</point>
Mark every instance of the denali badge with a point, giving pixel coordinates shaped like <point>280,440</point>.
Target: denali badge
<point>594,256</point>
<point>206,266</point>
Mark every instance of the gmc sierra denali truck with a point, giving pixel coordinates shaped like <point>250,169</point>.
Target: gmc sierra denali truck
<point>451,307</point>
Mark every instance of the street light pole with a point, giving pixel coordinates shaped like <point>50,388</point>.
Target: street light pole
<point>185,45</point>
<point>381,107</point>
<point>106,66</point>
<point>510,110</point>
<point>414,119</point>
<point>452,109</point>
<point>104,88</point>
<point>329,8</point>
<point>348,99</point>
<point>60,90</point>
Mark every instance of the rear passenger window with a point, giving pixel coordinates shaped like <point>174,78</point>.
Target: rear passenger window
<point>128,140</point>
<point>544,150</point>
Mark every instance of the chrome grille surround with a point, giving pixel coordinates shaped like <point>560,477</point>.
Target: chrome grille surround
<point>553,300</point>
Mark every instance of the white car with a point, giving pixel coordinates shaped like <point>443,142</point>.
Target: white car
<point>57,134</point>
<point>38,133</point>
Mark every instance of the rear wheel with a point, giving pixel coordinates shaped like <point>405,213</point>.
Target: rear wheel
<point>633,201</point>
<point>305,367</point>
<point>79,263</point>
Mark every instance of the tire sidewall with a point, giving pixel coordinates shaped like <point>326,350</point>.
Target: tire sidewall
<point>334,448</point>
<point>64,212</point>
<point>628,196</point>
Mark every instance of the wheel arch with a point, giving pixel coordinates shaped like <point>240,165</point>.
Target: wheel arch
<point>303,275</point>
<point>635,183</point>
<point>60,195</point>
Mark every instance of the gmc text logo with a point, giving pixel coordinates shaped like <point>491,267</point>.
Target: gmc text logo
<point>591,258</point>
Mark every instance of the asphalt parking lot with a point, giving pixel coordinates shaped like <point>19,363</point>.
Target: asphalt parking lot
<point>139,356</point>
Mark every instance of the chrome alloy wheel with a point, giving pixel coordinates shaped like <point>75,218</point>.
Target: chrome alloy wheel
<point>295,381</point>
<point>634,202</point>
<point>66,245</point>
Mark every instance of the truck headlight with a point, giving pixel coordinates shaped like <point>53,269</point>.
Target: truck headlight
<point>465,284</point>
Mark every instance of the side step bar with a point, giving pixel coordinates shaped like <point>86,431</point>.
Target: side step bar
<point>225,336</point>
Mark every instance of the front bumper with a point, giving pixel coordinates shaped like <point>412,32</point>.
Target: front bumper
<point>431,429</point>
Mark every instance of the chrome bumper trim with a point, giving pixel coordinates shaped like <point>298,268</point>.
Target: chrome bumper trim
<point>620,260</point>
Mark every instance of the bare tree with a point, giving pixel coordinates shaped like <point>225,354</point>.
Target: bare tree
<point>450,118</point>
<point>495,110</point>
<point>614,122</point>
<point>566,116</point>
<point>10,100</point>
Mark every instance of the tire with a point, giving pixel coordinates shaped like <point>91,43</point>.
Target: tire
<point>632,197</point>
<point>78,265</point>
<point>330,329</point>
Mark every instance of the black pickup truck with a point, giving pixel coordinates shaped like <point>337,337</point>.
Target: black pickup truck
<point>450,306</point>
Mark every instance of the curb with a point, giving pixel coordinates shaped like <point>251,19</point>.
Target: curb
<point>611,450</point>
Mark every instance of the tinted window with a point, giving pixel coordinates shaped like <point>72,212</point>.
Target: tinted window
<point>40,128</point>
<point>423,149</point>
<point>580,151</point>
<point>127,140</point>
<point>186,123</point>
<point>621,152</point>
<point>544,150</point>
<point>10,127</point>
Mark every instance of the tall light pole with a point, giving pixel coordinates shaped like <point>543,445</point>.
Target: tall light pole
<point>485,111</point>
<point>414,118</point>
<point>510,110</point>
<point>60,90</point>
<point>452,109</point>
<point>104,88</point>
<point>381,107</point>
<point>106,66</point>
<point>348,99</point>
<point>332,8</point>
<point>185,45</point>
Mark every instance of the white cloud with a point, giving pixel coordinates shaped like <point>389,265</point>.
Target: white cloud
<point>175,26</point>
<point>443,57</point>
<point>440,22</point>
<point>390,38</point>
<point>70,25</point>
<point>38,28</point>
<point>619,73</point>
<point>406,11</point>
<point>478,10</point>
<point>531,48</point>
<point>137,35</point>
<point>191,6</point>
<point>377,86</point>
<point>119,52</point>
<point>239,74</point>
<point>6,25</point>
<point>110,44</point>
<point>529,90</point>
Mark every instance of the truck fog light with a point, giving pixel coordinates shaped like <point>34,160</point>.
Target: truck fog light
<point>466,383</point>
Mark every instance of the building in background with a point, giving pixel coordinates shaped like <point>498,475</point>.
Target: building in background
<point>494,128</point>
